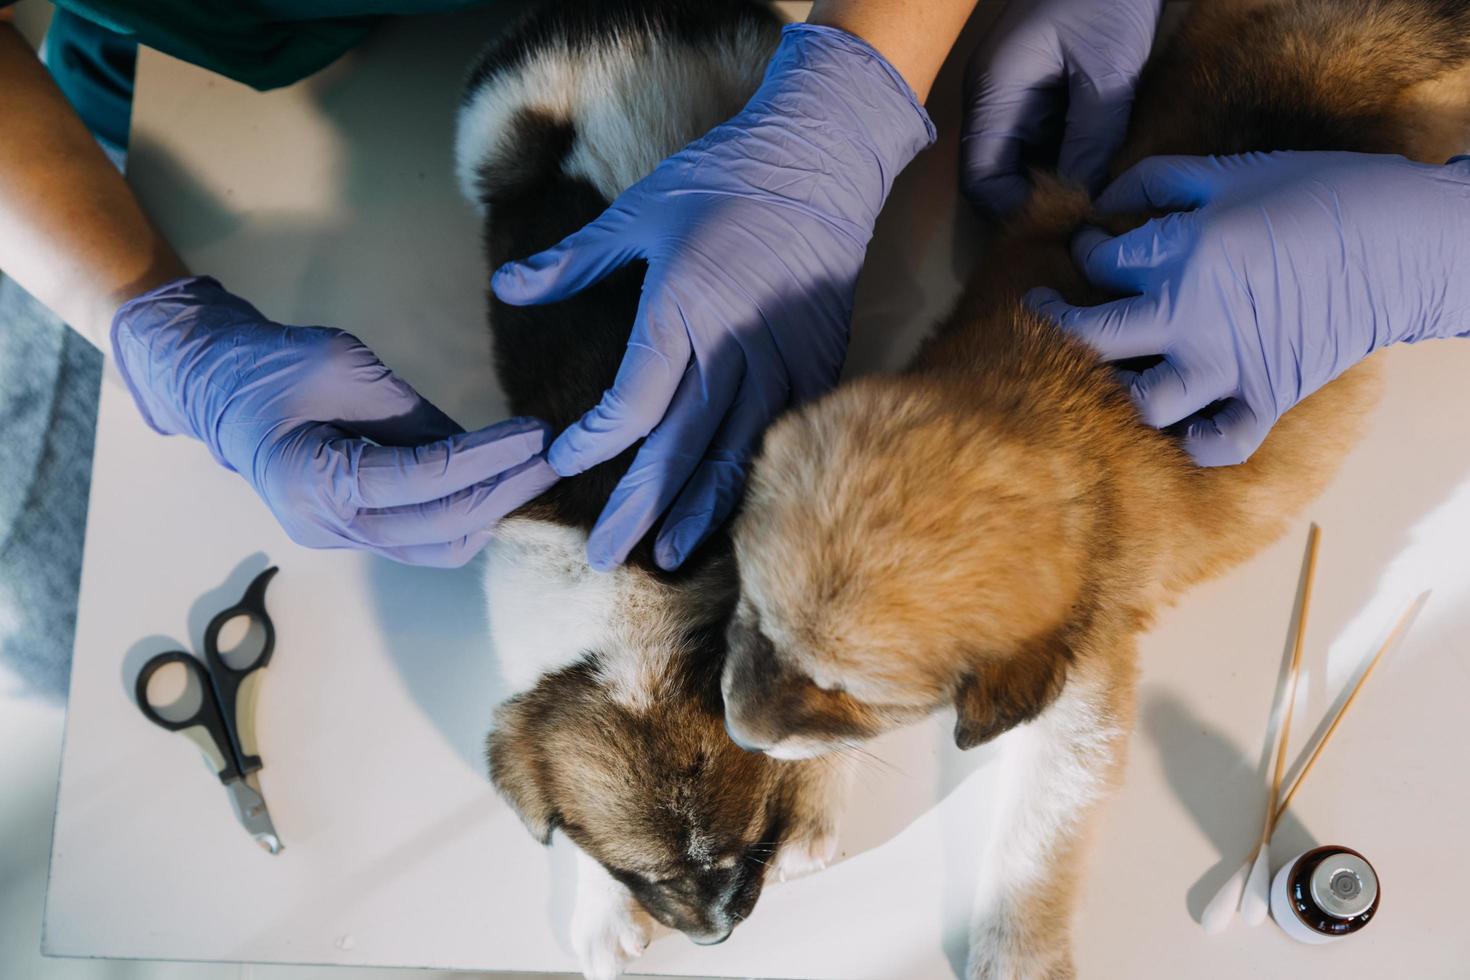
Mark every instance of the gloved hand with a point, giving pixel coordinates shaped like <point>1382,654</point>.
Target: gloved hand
<point>344,453</point>
<point>1041,55</point>
<point>754,235</point>
<point>1291,268</point>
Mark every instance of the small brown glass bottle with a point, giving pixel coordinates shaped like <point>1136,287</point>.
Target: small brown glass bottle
<point>1324,894</point>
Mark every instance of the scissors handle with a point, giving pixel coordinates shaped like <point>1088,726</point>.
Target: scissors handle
<point>238,687</point>
<point>204,726</point>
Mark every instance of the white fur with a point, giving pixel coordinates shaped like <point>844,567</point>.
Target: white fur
<point>548,609</point>
<point>1054,770</point>
<point>609,927</point>
<point>617,94</point>
<point>799,858</point>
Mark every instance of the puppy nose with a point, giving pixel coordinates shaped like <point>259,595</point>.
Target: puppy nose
<point>748,744</point>
<point>713,938</point>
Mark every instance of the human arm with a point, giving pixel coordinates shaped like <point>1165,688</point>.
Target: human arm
<point>914,36</point>
<point>754,236</point>
<point>344,453</point>
<point>1274,273</point>
<point>71,231</point>
<point>1051,72</point>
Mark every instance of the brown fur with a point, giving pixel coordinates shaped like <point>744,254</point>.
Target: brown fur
<point>992,528</point>
<point>908,530</point>
<point>661,798</point>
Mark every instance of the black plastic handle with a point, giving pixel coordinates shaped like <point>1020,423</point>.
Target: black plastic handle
<point>230,682</point>
<point>206,727</point>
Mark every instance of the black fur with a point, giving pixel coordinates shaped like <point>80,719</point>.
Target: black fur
<point>555,362</point>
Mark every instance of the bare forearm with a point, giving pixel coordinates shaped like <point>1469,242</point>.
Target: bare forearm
<point>71,231</point>
<point>914,35</point>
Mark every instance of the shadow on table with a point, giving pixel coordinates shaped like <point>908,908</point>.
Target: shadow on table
<point>399,138</point>
<point>157,174</point>
<point>1222,787</point>
<point>916,781</point>
<point>435,621</point>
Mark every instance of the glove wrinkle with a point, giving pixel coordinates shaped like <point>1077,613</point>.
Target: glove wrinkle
<point>319,427</point>
<point>754,235</point>
<point>1291,268</point>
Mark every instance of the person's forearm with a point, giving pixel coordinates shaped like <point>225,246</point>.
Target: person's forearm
<point>71,231</point>
<point>914,35</point>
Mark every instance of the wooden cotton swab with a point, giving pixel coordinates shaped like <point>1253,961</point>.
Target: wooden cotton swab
<point>1221,908</point>
<point>1255,902</point>
<point>1394,638</point>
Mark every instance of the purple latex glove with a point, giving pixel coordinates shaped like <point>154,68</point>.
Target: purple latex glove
<point>345,454</point>
<point>1042,55</point>
<point>754,235</point>
<point>1290,268</point>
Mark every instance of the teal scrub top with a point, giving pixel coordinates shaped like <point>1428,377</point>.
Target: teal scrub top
<point>263,43</point>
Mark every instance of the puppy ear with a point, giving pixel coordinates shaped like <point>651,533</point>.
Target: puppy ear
<point>1004,691</point>
<point>513,753</point>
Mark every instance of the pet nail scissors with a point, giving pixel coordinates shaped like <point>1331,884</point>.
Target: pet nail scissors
<point>217,709</point>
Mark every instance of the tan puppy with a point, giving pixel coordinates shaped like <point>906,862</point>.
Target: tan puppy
<point>992,528</point>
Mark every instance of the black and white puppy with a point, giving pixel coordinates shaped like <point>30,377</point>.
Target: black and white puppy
<point>615,733</point>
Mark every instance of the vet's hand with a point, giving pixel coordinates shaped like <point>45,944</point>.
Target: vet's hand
<point>1044,57</point>
<point>754,235</point>
<point>345,454</point>
<point>1275,273</point>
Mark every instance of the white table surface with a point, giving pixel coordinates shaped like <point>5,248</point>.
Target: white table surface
<point>332,202</point>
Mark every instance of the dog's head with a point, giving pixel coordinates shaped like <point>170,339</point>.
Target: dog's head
<point>655,792</point>
<point>896,557</point>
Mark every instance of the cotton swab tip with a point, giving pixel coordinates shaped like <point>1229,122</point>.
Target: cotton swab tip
<point>1255,903</point>
<point>1217,915</point>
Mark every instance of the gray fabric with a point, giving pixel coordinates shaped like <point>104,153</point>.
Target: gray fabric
<point>49,382</point>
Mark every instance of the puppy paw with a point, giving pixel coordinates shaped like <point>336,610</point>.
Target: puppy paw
<point>608,934</point>
<point>1001,951</point>
<point>798,858</point>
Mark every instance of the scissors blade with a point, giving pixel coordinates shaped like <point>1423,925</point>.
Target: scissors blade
<point>253,816</point>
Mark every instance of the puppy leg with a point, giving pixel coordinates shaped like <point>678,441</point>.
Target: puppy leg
<point>609,927</point>
<point>810,841</point>
<point>1057,769</point>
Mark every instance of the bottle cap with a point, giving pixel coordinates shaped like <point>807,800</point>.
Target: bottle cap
<point>1344,885</point>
